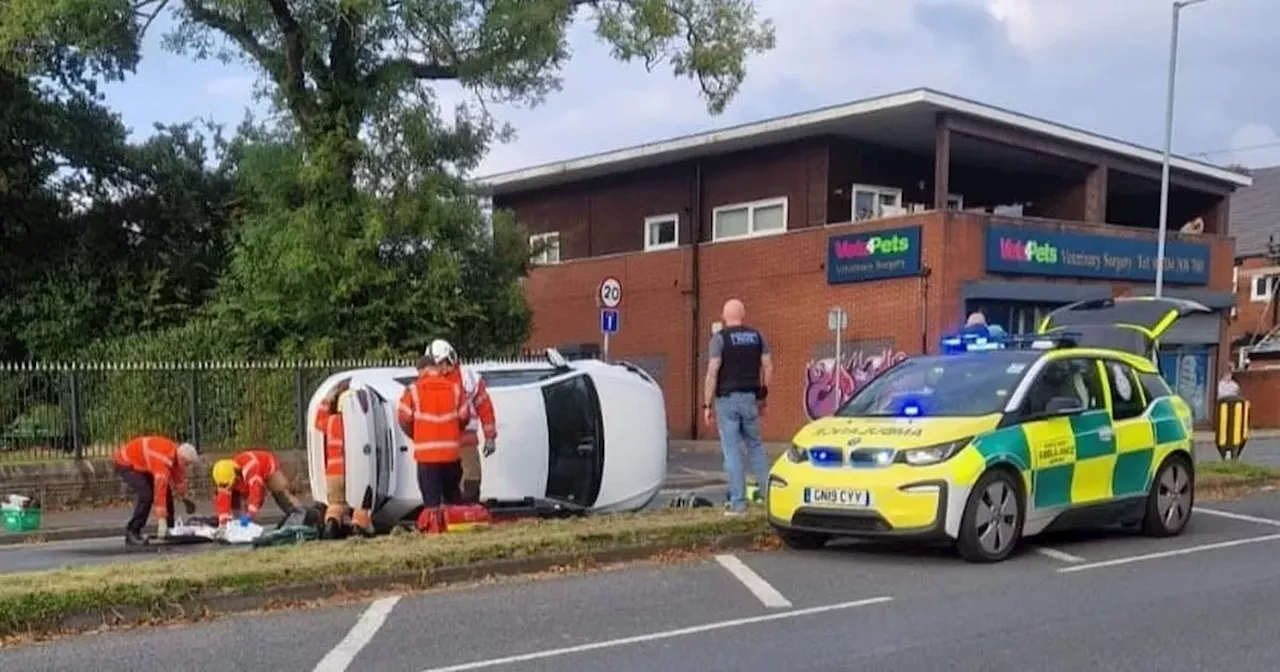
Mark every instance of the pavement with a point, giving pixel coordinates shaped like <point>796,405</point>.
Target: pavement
<point>1206,600</point>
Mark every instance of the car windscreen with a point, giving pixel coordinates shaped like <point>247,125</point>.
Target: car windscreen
<point>949,385</point>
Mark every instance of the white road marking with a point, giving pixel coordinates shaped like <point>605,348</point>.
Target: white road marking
<point>1054,553</point>
<point>360,635</point>
<point>1170,554</point>
<point>655,636</point>
<point>754,582</point>
<point>1237,516</point>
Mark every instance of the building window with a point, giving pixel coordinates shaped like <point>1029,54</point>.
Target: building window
<point>873,202</point>
<point>546,247</point>
<point>661,232</point>
<point>1262,287</point>
<point>743,220</point>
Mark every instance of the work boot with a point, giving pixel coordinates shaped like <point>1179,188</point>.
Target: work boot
<point>134,539</point>
<point>332,529</point>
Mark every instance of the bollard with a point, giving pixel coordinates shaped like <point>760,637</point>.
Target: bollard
<point>1231,431</point>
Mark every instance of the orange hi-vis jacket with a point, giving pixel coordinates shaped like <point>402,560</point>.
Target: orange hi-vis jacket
<point>256,466</point>
<point>433,411</point>
<point>477,400</point>
<point>158,456</point>
<point>330,422</point>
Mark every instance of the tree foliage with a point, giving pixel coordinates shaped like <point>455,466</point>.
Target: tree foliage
<point>346,227</point>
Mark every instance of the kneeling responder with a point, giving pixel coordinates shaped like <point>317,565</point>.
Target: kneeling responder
<point>480,409</point>
<point>329,421</point>
<point>154,467</point>
<point>251,474</point>
<point>433,411</point>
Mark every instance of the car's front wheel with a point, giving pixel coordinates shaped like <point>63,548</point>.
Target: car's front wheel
<point>1173,493</point>
<point>802,541</point>
<point>993,517</point>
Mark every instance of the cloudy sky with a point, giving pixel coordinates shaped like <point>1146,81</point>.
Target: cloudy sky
<point>1096,64</point>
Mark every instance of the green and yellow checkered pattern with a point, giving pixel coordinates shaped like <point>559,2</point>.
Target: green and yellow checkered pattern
<point>1074,460</point>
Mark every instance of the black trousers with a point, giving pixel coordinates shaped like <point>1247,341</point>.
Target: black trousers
<point>440,483</point>
<point>144,487</point>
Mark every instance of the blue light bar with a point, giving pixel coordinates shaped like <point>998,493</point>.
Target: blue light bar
<point>972,342</point>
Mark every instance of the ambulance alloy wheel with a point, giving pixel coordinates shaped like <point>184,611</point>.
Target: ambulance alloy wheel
<point>802,541</point>
<point>1169,502</point>
<point>993,517</point>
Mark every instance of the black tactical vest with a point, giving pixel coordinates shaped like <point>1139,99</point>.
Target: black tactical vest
<point>741,349</point>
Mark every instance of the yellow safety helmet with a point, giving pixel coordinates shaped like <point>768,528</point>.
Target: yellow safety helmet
<point>224,473</point>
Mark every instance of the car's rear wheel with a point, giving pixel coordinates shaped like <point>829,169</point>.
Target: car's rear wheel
<point>802,541</point>
<point>993,517</point>
<point>1172,495</point>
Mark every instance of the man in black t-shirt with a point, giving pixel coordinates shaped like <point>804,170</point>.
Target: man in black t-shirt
<point>737,382</point>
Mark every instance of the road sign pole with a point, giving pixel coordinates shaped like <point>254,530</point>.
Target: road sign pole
<point>836,376</point>
<point>606,346</point>
<point>837,320</point>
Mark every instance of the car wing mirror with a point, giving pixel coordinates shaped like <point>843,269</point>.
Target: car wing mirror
<point>1063,406</point>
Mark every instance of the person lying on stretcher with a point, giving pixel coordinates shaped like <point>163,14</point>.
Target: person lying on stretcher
<point>251,474</point>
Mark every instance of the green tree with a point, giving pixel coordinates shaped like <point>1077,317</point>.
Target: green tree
<point>358,233</point>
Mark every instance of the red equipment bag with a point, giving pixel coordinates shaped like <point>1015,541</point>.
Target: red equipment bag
<point>454,518</point>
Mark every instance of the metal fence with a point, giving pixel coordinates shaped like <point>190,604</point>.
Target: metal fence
<point>66,411</point>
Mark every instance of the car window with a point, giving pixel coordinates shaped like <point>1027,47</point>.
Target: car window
<point>1126,392</point>
<point>1076,379</point>
<point>1154,385</point>
<point>947,385</point>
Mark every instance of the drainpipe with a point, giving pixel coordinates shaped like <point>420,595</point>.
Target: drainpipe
<point>695,226</point>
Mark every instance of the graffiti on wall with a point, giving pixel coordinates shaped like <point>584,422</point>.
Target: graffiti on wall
<point>827,386</point>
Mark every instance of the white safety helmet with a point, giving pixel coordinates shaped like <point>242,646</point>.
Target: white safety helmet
<point>441,352</point>
<point>188,453</point>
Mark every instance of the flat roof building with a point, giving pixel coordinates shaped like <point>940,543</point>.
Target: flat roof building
<point>971,207</point>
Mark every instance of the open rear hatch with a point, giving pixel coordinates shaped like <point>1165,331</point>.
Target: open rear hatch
<point>1129,323</point>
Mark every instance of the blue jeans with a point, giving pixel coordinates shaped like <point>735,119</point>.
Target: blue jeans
<point>738,419</point>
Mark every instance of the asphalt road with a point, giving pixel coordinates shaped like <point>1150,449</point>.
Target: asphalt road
<point>1207,600</point>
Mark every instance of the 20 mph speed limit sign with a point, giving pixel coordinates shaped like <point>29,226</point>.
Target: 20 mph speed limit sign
<point>610,292</point>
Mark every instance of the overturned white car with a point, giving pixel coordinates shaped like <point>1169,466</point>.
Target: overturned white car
<point>579,436</point>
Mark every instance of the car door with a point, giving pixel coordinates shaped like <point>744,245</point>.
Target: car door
<point>1065,423</point>
<point>575,433</point>
<point>1135,436</point>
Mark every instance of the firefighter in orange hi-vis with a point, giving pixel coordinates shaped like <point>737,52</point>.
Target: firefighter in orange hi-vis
<point>243,483</point>
<point>480,409</point>
<point>433,412</point>
<point>154,468</point>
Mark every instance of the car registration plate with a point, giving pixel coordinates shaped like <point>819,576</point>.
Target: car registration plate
<point>837,497</point>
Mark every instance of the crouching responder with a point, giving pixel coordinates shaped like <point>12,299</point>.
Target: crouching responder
<point>154,467</point>
<point>329,422</point>
<point>480,410</point>
<point>433,411</point>
<point>243,482</point>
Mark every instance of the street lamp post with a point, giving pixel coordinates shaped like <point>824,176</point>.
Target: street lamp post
<point>1168,142</point>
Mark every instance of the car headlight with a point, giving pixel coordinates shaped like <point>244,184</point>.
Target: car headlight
<point>918,457</point>
<point>797,454</point>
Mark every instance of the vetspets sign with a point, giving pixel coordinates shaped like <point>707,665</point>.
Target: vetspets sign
<point>873,255</point>
<point>1077,255</point>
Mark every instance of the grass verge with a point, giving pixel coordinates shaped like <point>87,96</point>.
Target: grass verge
<point>39,602</point>
<point>1216,480</point>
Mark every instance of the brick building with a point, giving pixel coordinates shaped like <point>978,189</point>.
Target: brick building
<point>780,213</point>
<point>1255,219</point>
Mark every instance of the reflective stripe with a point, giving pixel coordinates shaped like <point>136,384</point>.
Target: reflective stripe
<point>436,417</point>
<point>437,445</point>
